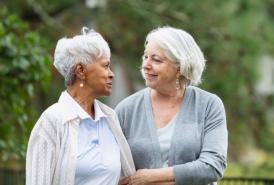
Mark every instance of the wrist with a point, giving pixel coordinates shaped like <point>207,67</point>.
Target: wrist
<point>153,175</point>
<point>160,175</point>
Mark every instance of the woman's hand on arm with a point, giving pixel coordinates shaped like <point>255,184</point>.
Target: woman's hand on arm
<point>124,181</point>
<point>161,176</point>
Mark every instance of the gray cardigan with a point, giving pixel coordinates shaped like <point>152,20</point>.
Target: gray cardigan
<point>199,143</point>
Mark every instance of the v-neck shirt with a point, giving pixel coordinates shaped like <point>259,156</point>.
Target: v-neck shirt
<point>164,136</point>
<point>153,131</point>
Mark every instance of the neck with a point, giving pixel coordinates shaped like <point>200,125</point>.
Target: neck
<point>83,98</point>
<point>167,100</point>
<point>168,94</point>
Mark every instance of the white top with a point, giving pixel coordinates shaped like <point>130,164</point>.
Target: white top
<point>95,142</point>
<point>52,148</point>
<point>164,136</point>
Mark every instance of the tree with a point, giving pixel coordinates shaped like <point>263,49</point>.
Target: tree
<point>24,71</point>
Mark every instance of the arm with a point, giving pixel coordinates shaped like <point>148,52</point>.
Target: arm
<point>161,176</point>
<point>40,155</point>
<point>210,165</point>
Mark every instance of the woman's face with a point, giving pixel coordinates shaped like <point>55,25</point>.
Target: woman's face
<point>99,77</point>
<point>158,71</point>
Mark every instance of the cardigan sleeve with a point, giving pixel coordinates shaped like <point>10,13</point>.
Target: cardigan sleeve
<point>210,165</point>
<point>40,160</point>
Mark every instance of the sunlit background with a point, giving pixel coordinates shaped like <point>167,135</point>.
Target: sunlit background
<point>236,36</point>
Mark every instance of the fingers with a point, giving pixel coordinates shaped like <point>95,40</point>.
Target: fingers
<point>124,181</point>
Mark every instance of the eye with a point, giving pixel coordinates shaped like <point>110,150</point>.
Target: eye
<point>107,66</point>
<point>145,57</point>
<point>156,60</point>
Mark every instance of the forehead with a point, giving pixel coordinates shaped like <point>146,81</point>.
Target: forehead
<point>153,48</point>
<point>102,60</point>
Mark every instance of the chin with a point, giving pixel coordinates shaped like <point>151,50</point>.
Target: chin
<point>107,93</point>
<point>151,85</point>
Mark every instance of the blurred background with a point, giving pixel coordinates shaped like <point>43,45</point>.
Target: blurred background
<point>237,38</point>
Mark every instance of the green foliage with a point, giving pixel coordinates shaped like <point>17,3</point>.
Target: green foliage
<point>24,7</point>
<point>262,167</point>
<point>24,71</point>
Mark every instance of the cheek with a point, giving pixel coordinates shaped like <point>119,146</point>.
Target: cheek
<point>101,76</point>
<point>168,76</point>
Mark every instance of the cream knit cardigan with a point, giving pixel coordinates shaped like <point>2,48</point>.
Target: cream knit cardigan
<point>52,148</point>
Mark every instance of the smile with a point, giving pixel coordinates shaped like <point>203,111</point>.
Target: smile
<point>150,76</point>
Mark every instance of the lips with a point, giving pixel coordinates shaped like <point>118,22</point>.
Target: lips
<point>150,76</point>
<point>109,84</point>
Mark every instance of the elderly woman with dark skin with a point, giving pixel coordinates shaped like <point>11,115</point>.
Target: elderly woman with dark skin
<point>78,140</point>
<point>177,132</point>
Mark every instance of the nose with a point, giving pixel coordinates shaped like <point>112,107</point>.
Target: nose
<point>111,74</point>
<point>146,64</point>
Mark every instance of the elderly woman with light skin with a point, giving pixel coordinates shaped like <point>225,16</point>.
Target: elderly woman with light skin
<point>78,140</point>
<point>177,132</point>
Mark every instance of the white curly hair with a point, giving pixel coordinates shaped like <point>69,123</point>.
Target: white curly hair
<point>84,48</point>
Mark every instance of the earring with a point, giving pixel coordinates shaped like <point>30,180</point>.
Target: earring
<point>177,84</point>
<point>82,83</point>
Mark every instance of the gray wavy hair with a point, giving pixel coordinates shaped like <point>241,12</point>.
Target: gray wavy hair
<point>181,49</point>
<point>84,48</point>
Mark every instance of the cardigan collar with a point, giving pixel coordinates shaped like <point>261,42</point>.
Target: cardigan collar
<point>69,112</point>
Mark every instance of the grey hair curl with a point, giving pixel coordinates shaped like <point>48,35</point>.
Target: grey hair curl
<point>181,49</point>
<point>84,48</point>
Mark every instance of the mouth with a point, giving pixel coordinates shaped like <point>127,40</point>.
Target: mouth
<point>150,76</point>
<point>109,84</point>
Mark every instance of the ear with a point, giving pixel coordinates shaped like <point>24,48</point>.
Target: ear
<point>80,71</point>
<point>178,74</point>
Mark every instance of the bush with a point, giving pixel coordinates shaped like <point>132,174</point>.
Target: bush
<point>24,71</point>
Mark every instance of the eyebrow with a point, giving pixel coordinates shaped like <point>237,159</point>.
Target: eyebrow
<point>155,55</point>
<point>158,57</point>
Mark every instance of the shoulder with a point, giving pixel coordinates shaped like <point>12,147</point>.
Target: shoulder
<point>203,101</point>
<point>53,113</point>
<point>203,96</point>
<point>132,100</point>
<point>46,125</point>
<point>51,117</point>
<point>209,103</point>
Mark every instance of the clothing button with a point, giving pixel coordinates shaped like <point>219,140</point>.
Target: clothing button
<point>96,141</point>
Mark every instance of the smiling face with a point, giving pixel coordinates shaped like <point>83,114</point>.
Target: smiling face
<point>99,77</point>
<point>159,72</point>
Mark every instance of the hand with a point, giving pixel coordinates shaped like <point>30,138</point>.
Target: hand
<point>141,177</point>
<point>124,181</point>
